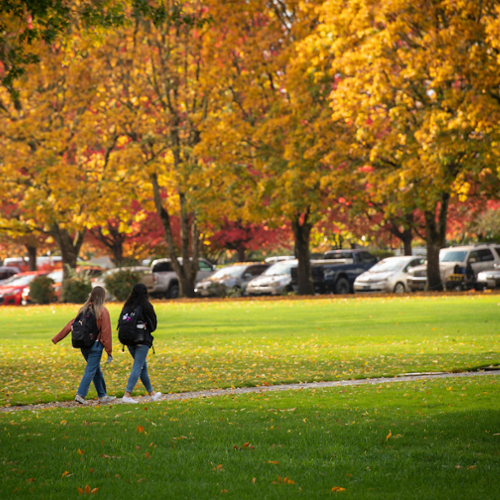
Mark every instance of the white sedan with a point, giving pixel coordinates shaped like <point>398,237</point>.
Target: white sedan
<point>275,280</point>
<point>388,275</point>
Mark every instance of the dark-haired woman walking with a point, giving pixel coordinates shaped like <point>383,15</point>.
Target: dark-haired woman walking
<point>93,354</point>
<point>139,297</point>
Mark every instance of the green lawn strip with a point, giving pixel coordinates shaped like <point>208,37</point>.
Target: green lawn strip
<point>436,439</point>
<point>206,345</point>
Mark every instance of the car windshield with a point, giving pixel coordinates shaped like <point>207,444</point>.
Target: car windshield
<point>229,272</point>
<point>388,265</point>
<point>19,280</point>
<point>452,256</point>
<point>280,268</point>
<point>57,276</point>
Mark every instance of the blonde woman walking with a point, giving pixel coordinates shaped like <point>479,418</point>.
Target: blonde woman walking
<point>95,317</point>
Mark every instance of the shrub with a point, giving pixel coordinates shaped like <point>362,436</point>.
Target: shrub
<point>42,290</point>
<point>76,290</point>
<point>120,284</point>
<point>217,289</point>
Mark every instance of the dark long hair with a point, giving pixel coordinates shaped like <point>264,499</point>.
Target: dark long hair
<point>138,297</point>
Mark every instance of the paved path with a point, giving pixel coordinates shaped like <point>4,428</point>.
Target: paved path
<point>247,390</point>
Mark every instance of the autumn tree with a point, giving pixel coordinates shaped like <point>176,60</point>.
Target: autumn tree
<point>155,87</point>
<point>420,82</point>
<point>270,143</point>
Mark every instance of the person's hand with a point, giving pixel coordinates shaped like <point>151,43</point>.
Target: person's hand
<point>110,358</point>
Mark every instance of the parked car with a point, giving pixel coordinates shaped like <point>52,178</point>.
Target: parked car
<point>338,269</point>
<point>167,281</point>
<point>43,262</point>
<point>7,272</point>
<point>275,280</point>
<point>278,258</point>
<point>147,278</point>
<point>11,290</point>
<point>454,263</point>
<point>57,275</point>
<point>232,278</point>
<point>388,275</point>
<point>489,279</point>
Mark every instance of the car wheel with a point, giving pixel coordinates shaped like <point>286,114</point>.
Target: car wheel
<point>399,288</point>
<point>173,291</point>
<point>342,286</point>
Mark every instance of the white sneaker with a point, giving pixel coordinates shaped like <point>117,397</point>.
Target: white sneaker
<point>106,399</point>
<point>156,397</point>
<point>80,400</point>
<point>126,399</point>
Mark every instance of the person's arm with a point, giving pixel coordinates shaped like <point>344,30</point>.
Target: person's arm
<point>64,332</point>
<point>150,314</point>
<point>105,331</point>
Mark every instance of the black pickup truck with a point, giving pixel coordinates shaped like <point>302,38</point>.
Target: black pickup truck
<point>338,269</point>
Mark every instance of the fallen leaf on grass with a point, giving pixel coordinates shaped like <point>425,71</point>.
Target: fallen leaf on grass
<point>271,462</point>
<point>388,435</point>
<point>94,491</point>
<point>65,473</point>
<point>108,456</point>
<point>141,480</point>
<point>338,488</point>
<point>285,480</point>
<point>140,429</point>
<point>80,452</point>
<point>87,489</point>
<point>246,445</point>
<point>30,480</point>
<point>253,480</point>
<point>471,467</point>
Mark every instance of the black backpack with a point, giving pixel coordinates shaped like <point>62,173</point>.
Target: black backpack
<point>84,330</point>
<point>131,327</point>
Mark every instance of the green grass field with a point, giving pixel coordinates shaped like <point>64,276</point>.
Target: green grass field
<point>435,440</point>
<point>204,345</point>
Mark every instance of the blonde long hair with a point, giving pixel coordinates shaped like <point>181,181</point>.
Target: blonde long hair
<point>97,298</point>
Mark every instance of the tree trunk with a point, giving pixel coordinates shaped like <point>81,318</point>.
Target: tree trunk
<point>187,271</point>
<point>405,235</point>
<point>407,240</point>
<point>435,238</point>
<point>69,247</point>
<point>113,242</point>
<point>31,258</point>
<point>301,233</point>
<point>241,254</point>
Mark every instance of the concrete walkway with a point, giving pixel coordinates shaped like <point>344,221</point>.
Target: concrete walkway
<point>409,377</point>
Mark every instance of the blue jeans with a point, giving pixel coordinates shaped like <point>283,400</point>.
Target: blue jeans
<point>140,368</point>
<point>93,371</point>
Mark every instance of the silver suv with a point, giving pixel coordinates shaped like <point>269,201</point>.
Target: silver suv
<point>457,260</point>
<point>166,280</point>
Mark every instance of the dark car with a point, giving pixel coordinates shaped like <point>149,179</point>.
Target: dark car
<point>231,279</point>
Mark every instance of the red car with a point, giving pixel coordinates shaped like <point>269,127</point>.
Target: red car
<point>11,290</point>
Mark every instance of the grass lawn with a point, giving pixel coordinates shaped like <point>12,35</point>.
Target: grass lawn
<point>203,345</point>
<point>435,440</point>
